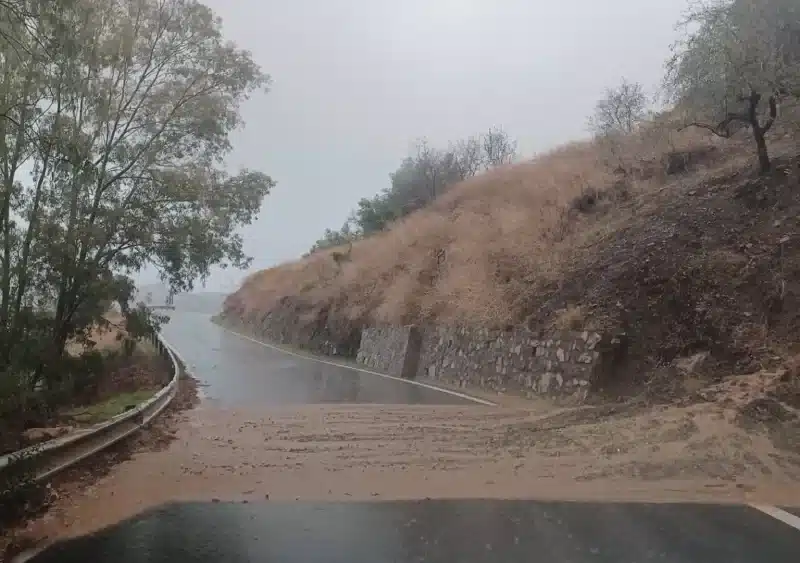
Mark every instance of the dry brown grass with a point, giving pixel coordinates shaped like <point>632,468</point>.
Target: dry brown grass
<point>504,234</point>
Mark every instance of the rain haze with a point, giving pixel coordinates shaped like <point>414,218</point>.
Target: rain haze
<point>356,82</point>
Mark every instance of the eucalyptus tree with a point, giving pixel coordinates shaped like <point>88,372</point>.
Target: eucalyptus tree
<point>112,159</point>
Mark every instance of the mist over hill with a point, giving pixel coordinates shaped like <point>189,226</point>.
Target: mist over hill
<point>207,302</point>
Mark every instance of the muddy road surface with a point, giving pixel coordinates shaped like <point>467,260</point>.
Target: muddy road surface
<point>287,443</point>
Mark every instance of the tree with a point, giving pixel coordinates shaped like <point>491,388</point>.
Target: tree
<point>18,21</point>
<point>469,157</point>
<point>498,148</point>
<point>737,64</point>
<point>620,110</point>
<point>372,215</point>
<point>122,114</point>
<point>331,238</point>
<point>422,177</point>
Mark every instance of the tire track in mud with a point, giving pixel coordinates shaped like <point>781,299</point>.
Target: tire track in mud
<point>694,453</point>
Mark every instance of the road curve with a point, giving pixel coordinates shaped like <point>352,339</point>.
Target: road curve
<point>239,372</point>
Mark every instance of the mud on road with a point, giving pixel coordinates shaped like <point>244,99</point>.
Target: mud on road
<point>692,453</point>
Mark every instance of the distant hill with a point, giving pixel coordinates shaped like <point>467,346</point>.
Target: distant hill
<point>208,302</point>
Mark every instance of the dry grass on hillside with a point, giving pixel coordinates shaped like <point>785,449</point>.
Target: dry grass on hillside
<point>504,234</point>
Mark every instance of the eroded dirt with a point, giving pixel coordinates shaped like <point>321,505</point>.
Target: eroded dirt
<point>692,453</point>
<point>58,498</point>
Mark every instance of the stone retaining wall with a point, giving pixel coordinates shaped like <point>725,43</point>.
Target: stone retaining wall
<point>321,335</point>
<point>296,324</point>
<point>566,364</point>
<point>563,364</point>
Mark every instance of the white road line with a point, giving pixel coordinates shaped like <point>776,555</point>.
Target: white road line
<point>318,360</point>
<point>778,514</point>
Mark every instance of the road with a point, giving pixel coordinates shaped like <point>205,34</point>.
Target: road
<point>262,443</point>
<point>439,531</point>
<point>237,371</point>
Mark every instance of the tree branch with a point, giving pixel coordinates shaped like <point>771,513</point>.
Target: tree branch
<point>722,129</point>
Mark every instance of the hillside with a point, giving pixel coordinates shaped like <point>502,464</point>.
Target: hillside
<point>206,302</point>
<point>672,238</point>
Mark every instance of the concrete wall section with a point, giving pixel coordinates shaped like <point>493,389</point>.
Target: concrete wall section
<point>391,350</point>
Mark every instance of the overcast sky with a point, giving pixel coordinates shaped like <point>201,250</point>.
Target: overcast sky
<point>355,82</point>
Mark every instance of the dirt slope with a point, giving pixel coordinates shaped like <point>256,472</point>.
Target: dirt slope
<point>671,238</point>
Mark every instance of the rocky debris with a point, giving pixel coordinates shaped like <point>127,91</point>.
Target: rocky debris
<point>691,364</point>
<point>38,435</point>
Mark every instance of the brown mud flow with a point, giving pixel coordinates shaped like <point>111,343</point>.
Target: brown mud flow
<point>695,453</point>
<point>732,443</point>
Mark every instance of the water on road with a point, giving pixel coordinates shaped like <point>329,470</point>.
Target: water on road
<point>238,371</point>
<point>438,532</point>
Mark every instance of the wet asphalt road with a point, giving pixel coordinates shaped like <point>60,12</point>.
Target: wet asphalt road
<point>238,371</point>
<point>439,532</point>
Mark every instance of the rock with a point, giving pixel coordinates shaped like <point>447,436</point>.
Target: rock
<point>546,380</point>
<point>689,365</point>
<point>592,340</point>
<point>36,435</point>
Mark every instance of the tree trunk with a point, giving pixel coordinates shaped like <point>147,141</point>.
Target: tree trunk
<point>760,131</point>
<point>764,163</point>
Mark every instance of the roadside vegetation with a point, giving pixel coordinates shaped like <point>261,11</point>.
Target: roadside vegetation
<point>115,118</point>
<point>423,176</point>
<point>675,224</point>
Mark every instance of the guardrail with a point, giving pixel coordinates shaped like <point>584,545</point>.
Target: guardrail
<point>48,458</point>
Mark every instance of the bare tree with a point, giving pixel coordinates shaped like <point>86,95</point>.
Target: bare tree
<point>498,148</point>
<point>621,110</point>
<point>469,157</point>
<point>431,170</point>
<point>737,64</point>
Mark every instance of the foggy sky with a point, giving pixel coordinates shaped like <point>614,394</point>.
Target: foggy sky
<point>355,82</point>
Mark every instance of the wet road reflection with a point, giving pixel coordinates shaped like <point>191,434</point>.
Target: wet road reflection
<point>238,371</point>
<point>438,531</point>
